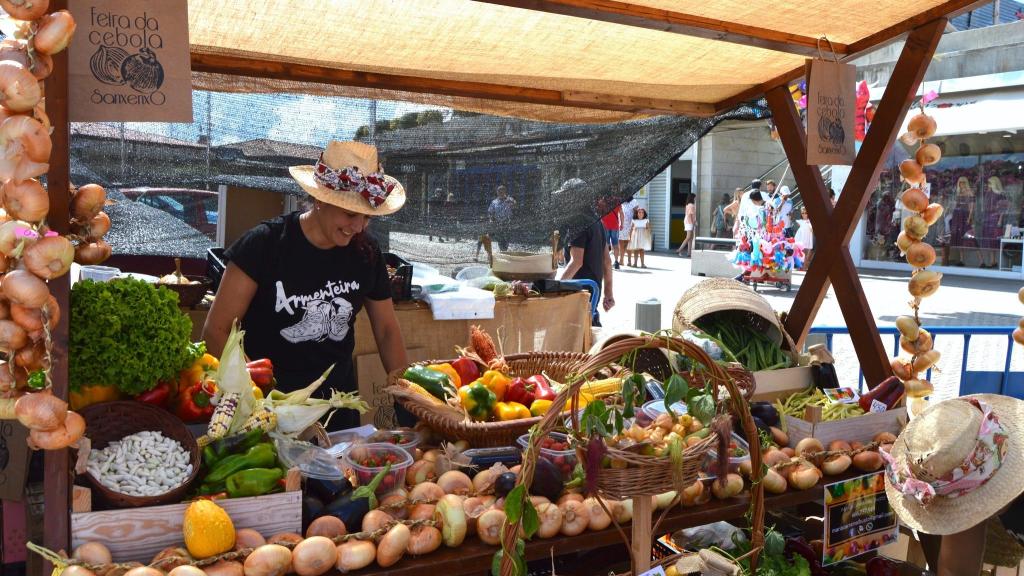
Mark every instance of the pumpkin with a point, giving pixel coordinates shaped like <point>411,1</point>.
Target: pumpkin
<point>207,529</point>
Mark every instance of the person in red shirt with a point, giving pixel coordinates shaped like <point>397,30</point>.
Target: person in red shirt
<point>612,222</point>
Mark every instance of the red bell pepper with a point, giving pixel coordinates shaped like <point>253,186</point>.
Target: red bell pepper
<point>521,391</point>
<point>468,371</point>
<point>194,401</point>
<point>262,374</point>
<point>542,389</point>
<point>883,393</point>
<point>158,396</point>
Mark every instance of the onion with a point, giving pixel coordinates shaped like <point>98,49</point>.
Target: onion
<point>922,344</point>
<point>19,89</point>
<point>248,538</point>
<point>93,229</point>
<point>484,480</point>
<point>76,570</point>
<point>926,360</point>
<point>143,571</point>
<point>268,560</point>
<point>93,252</point>
<point>932,213</point>
<point>29,134</point>
<point>919,388</point>
<point>924,283</point>
<point>623,511</point>
<point>884,438</point>
<point>779,436</point>
<point>355,555</point>
<point>50,257</point>
<point>915,227</point>
<point>31,357</point>
<point>912,172</point>
<point>420,472</point>
<point>732,488</point>
<point>329,526</point>
<point>474,508</point>
<point>423,540</point>
<point>922,126</point>
<point>663,500</point>
<point>40,65</point>
<point>920,255</point>
<point>901,368</point>
<point>92,552</point>
<point>31,319</point>
<point>55,32</point>
<point>908,327</point>
<point>773,457</point>
<point>903,241</point>
<point>839,445</point>
<point>914,199</point>
<point>538,500</point>
<point>916,407</point>
<point>809,447</point>
<point>26,201</point>
<point>426,491</point>
<point>394,504</point>
<point>570,496</point>
<point>836,465</point>
<point>62,437</point>
<point>392,546</point>
<point>186,570</point>
<point>225,568</point>
<point>788,451</point>
<point>455,482</point>
<point>12,336</point>
<point>488,526</point>
<point>375,520</point>
<point>26,10</point>
<point>868,461</point>
<point>16,233</point>
<point>692,493</point>
<point>87,202</point>
<point>25,289</point>
<point>285,538</point>
<point>774,482</point>
<point>41,411</point>
<point>171,557</point>
<point>928,154</point>
<point>422,512</point>
<point>550,520</point>
<point>804,477</point>
<point>575,518</point>
<point>314,556</point>
<point>599,519</point>
<point>452,517</point>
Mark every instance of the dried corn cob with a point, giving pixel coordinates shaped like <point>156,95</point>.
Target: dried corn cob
<point>602,388</point>
<point>263,418</point>
<point>423,392</point>
<point>220,422</point>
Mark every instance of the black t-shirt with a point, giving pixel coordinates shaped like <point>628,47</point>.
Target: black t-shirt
<point>594,245</point>
<point>304,312</point>
<point>1013,520</point>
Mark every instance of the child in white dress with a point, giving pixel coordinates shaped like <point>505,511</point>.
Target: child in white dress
<point>640,236</point>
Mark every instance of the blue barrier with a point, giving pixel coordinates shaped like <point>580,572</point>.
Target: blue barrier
<point>971,381</point>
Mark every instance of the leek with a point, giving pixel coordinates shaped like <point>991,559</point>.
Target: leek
<point>296,411</point>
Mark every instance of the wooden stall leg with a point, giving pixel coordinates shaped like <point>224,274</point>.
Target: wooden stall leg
<point>641,541</point>
<point>835,228</point>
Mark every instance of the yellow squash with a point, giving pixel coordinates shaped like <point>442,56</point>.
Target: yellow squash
<point>207,529</point>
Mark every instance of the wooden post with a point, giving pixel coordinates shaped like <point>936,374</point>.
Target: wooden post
<point>833,228</point>
<point>57,477</point>
<point>641,540</point>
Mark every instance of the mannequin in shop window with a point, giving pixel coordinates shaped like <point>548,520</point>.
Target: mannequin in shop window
<point>996,208</point>
<point>961,223</point>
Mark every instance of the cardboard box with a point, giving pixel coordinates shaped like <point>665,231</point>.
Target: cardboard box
<point>860,429</point>
<point>773,384</point>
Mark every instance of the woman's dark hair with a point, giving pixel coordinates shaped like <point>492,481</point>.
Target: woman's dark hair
<point>637,211</point>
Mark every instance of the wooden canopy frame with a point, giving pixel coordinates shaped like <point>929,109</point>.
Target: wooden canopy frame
<point>833,227</point>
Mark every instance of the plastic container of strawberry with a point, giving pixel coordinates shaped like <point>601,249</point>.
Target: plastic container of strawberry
<point>366,460</point>
<point>405,438</point>
<point>739,452</point>
<point>555,448</point>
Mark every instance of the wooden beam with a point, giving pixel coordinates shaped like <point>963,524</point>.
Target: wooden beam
<point>57,477</point>
<point>832,260</point>
<point>259,68</point>
<point>650,18</point>
<point>946,10</point>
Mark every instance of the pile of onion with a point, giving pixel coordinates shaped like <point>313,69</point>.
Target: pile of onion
<point>30,253</point>
<point>920,255</point>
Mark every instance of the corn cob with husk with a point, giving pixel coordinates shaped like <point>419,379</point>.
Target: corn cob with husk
<point>602,388</point>
<point>235,401</point>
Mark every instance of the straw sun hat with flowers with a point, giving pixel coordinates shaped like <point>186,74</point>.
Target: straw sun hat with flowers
<point>349,175</point>
<point>957,464</point>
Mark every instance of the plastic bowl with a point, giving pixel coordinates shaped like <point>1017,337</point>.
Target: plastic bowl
<point>734,461</point>
<point>654,408</point>
<point>401,461</point>
<point>564,460</point>
<point>405,438</point>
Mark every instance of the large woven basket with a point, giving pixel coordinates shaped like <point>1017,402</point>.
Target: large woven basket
<point>453,424</point>
<point>111,421</point>
<point>718,295</point>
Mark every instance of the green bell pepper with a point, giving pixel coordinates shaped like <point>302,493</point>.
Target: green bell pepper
<point>261,455</point>
<point>437,383</point>
<point>253,482</point>
<point>478,400</point>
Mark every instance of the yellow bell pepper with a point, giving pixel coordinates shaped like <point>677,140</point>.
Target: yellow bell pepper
<point>447,368</point>
<point>205,365</point>
<point>505,411</point>
<point>495,382</point>
<point>585,398</point>
<point>256,391</point>
<point>95,394</point>
<point>540,407</point>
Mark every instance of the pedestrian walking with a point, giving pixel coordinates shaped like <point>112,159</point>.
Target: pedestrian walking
<point>719,222</point>
<point>622,252</point>
<point>689,226</point>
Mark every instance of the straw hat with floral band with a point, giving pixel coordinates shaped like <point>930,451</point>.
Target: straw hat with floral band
<point>348,175</point>
<point>957,464</point>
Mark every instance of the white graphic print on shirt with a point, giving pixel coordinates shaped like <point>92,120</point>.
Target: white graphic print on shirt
<point>321,319</point>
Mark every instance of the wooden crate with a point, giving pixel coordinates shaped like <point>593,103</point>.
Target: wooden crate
<point>137,534</point>
<point>860,429</point>
<point>773,384</point>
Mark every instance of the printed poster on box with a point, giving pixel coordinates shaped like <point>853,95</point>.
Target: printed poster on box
<point>129,61</point>
<point>858,518</point>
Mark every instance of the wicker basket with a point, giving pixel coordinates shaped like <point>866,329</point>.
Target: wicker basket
<point>111,421</point>
<point>190,294</point>
<point>452,424</point>
<point>723,294</point>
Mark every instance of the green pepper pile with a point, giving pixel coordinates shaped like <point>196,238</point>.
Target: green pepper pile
<point>241,465</point>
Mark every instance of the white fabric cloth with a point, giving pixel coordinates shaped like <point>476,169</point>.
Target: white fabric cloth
<point>627,219</point>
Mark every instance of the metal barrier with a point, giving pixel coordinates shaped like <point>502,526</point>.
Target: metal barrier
<point>971,381</point>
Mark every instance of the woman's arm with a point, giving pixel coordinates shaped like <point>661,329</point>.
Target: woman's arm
<point>387,333</point>
<point>234,295</point>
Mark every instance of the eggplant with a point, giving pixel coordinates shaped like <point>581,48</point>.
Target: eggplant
<point>547,480</point>
<point>766,412</point>
<point>761,425</point>
<point>349,510</point>
<point>505,483</point>
<point>327,490</point>
<point>312,507</point>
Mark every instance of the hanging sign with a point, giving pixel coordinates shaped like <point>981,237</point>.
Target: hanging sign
<point>13,459</point>
<point>831,111</point>
<point>858,518</point>
<point>129,61</point>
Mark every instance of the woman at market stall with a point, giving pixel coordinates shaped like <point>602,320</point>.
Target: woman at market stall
<point>297,282</point>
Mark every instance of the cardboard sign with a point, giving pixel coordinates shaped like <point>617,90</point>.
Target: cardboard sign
<point>13,460</point>
<point>858,518</point>
<point>831,112</point>
<point>129,61</point>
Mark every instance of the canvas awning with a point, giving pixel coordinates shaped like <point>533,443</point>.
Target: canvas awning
<point>977,113</point>
<point>568,60</point>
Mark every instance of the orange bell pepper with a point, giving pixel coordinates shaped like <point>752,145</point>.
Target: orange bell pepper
<point>450,371</point>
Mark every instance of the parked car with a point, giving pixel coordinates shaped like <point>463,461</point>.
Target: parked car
<point>197,208</point>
